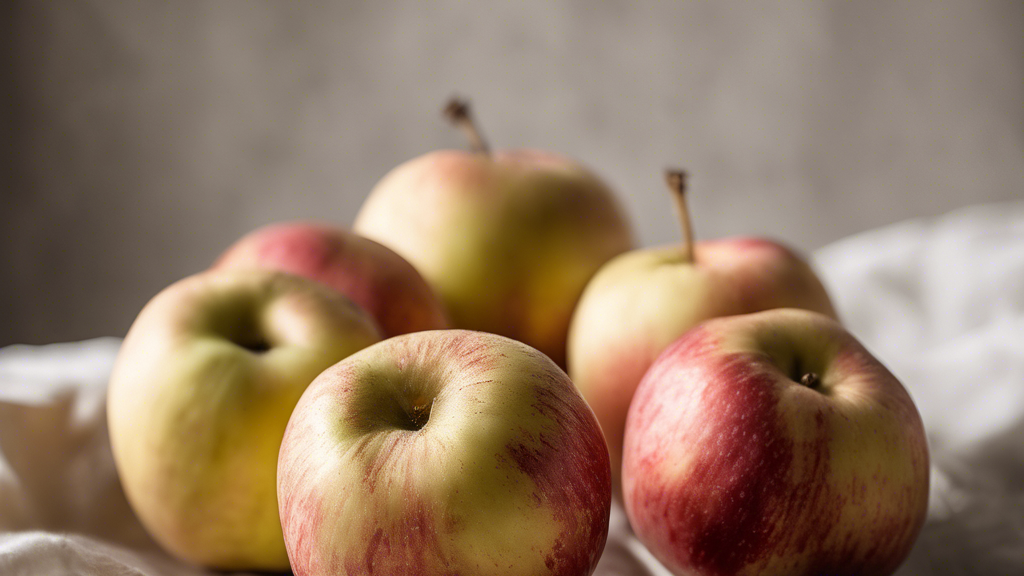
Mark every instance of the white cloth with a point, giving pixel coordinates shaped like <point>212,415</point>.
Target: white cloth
<point>940,302</point>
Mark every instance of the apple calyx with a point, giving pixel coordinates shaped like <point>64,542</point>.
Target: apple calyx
<point>676,180</point>
<point>419,414</point>
<point>810,380</point>
<point>457,112</point>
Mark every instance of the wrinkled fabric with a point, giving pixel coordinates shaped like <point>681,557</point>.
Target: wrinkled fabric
<point>939,301</point>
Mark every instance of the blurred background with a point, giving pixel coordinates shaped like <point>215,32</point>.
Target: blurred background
<point>144,137</point>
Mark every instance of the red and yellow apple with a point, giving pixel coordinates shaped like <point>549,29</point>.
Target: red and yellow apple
<point>641,301</point>
<point>199,398</point>
<point>774,443</point>
<point>508,239</point>
<point>444,452</point>
<point>373,276</point>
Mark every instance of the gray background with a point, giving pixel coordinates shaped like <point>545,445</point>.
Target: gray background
<point>145,137</point>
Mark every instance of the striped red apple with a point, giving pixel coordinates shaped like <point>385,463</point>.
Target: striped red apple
<point>774,443</point>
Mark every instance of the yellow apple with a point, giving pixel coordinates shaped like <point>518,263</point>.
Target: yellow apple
<point>444,452</point>
<point>199,398</point>
<point>508,239</point>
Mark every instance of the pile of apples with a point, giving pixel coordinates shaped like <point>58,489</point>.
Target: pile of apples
<point>462,382</point>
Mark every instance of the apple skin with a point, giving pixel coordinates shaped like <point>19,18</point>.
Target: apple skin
<point>373,276</point>
<point>508,240</point>
<point>643,300</point>
<point>445,452</point>
<point>733,467</point>
<point>199,398</point>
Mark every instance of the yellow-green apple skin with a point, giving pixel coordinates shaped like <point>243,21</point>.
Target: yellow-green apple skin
<point>445,452</point>
<point>508,239</point>
<point>373,276</point>
<point>199,398</point>
<point>735,464</point>
<point>641,301</point>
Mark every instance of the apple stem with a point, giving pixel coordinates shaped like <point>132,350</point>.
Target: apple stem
<point>676,180</point>
<point>457,112</point>
<point>810,380</point>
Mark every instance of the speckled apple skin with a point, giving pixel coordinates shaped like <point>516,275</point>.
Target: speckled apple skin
<point>508,476</point>
<point>508,240</point>
<point>642,301</point>
<point>732,467</point>
<point>373,276</point>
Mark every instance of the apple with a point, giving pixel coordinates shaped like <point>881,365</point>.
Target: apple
<point>508,239</point>
<point>199,398</point>
<point>373,276</point>
<point>774,443</point>
<point>641,301</point>
<point>444,452</point>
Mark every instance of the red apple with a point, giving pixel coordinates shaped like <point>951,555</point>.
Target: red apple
<point>641,301</point>
<point>444,452</point>
<point>507,238</point>
<point>774,443</point>
<point>373,276</point>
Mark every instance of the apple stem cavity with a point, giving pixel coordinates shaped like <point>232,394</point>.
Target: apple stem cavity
<point>246,334</point>
<point>676,180</point>
<point>257,346</point>
<point>810,380</point>
<point>457,112</point>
